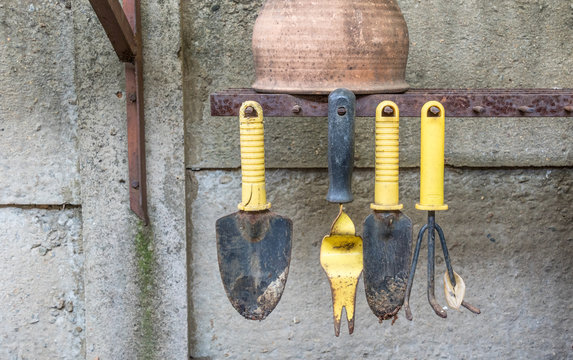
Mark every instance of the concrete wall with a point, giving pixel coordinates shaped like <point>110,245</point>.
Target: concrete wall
<point>507,184</point>
<point>81,277</point>
<point>41,265</point>
<point>135,275</point>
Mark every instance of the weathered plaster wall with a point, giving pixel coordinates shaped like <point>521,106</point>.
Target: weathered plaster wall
<point>135,276</point>
<point>510,237</point>
<point>88,281</point>
<point>38,106</point>
<point>41,263</point>
<point>508,185</point>
<point>43,307</point>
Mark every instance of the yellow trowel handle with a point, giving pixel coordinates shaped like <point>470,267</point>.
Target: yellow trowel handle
<point>432,158</point>
<point>387,148</point>
<point>252,138</point>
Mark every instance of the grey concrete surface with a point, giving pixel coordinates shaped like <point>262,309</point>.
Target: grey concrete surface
<point>472,142</point>
<point>507,184</point>
<point>108,227</point>
<point>135,275</point>
<point>41,284</point>
<point>38,106</point>
<point>509,233</point>
<point>41,265</point>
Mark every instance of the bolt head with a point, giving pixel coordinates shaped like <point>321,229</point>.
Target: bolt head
<point>249,110</point>
<point>434,110</point>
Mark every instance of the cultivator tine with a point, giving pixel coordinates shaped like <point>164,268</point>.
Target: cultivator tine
<point>432,227</point>
<point>413,271</point>
<point>446,254</point>
<point>431,259</point>
<point>465,304</point>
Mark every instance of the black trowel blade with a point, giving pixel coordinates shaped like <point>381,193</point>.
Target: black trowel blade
<point>387,240</point>
<point>254,251</point>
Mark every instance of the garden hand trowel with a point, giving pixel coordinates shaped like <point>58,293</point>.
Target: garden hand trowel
<point>387,232</point>
<point>253,244</point>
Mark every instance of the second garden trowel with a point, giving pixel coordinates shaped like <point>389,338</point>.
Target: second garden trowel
<point>387,235</point>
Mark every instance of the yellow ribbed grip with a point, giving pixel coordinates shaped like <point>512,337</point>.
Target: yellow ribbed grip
<point>252,138</point>
<point>387,148</point>
<point>432,158</point>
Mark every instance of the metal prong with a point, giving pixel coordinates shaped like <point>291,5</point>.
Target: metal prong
<point>343,297</point>
<point>446,255</point>
<point>431,253</point>
<point>471,308</point>
<point>465,304</point>
<point>337,323</point>
<point>350,325</point>
<point>412,272</point>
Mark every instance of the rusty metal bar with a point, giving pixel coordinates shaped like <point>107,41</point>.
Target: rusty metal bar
<point>123,27</point>
<point>458,102</point>
<point>135,117</point>
<point>117,28</point>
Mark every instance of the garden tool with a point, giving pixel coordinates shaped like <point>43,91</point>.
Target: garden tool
<point>387,232</point>
<point>253,244</point>
<point>432,200</point>
<point>341,250</point>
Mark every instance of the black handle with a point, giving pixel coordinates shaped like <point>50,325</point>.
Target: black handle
<point>341,107</point>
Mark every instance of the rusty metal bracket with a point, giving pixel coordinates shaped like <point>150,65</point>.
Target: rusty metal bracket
<point>458,102</point>
<point>123,28</point>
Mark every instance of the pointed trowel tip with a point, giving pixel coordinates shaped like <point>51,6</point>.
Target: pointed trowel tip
<point>408,312</point>
<point>336,327</point>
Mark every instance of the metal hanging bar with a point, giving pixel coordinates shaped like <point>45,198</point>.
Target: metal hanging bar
<point>123,28</point>
<point>459,102</point>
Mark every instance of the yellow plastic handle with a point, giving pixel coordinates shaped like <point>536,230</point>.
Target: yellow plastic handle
<point>252,138</point>
<point>432,158</point>
<point>387,163</point>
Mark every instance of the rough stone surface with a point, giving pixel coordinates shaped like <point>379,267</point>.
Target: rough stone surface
<point>509,237</point>
<point>38,107</point>
<point>135,275</point>
<point>41,284</point>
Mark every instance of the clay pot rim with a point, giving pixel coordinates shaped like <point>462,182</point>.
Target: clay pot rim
<point>357,89</point>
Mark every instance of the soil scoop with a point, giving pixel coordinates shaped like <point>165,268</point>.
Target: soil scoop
<point>387,232</point>
<point>253,244</point>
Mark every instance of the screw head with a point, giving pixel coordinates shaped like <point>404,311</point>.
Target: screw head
<point>388,110</point>
<point>249,110</point>
<point>341,111</point>
<point>525,109</point>
<point>434,110</point>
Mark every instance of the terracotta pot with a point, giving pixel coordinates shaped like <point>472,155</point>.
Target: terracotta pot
<point>317,46</point>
